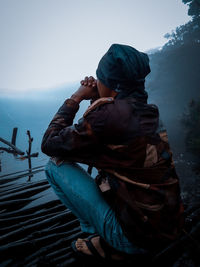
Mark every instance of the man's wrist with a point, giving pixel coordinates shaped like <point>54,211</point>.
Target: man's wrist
<point>71,103</point>
<point>76,98</point>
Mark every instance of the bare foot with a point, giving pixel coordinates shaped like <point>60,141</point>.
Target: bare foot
<point>82,246</point>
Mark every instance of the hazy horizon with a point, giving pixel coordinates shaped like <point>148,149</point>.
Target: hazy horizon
<point>45,44</point>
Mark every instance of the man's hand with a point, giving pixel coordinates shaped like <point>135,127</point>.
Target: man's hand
<point>91,81</point>
<point>87,90</point>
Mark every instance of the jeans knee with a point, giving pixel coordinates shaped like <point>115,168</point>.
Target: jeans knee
<point>48,171</point>
<point>54,172</point>
<point>48,176</point>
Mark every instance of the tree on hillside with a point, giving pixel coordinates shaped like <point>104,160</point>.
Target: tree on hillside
<point>189,32</point>
<point>194,7</point>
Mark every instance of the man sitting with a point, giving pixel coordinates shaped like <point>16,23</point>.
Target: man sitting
<point>134,203</point>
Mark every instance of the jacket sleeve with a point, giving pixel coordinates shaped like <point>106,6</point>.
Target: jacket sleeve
<point>63,139</point>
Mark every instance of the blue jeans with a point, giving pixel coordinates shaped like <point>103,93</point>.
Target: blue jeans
<point>79,192</point>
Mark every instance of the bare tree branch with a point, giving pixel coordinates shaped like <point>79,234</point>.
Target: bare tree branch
<point>30,140</point>
<point>8,150</point>
<point>14,135</point>
<point>17,150</point>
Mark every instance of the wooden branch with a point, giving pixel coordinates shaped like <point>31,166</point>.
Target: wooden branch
<point>17,150</point>
<point>70,225</point>
<point>21,218</point>
<point>25,193</point>
<point>8,150</point>
<point>7,180</point>
<point>19,188</point>
<point>51,204</point>
<point>58,252</point>
<point>14,135</point>
<point>15,204</point>
<point>30,140</point>
<point>23,231</point>
<point>9,226</point>
<point>52,250</point>
<point>67,259</point>
<point>17,248</point>
<point>13,140</point>
<point>33,155</point>
<point>52,247</point>
<point>13,173</point>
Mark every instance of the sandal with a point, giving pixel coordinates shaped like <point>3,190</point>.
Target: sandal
<point>95,254</point>
<point>112,255</point>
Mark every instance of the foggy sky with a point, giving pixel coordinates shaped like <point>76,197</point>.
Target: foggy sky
<point>45,43</point>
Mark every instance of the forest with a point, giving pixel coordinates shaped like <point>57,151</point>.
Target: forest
<point>174,80</point>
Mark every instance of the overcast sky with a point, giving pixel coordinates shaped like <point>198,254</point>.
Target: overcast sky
<point>46,43</point>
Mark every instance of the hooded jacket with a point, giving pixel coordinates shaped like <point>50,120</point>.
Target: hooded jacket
<point>124,140</point>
